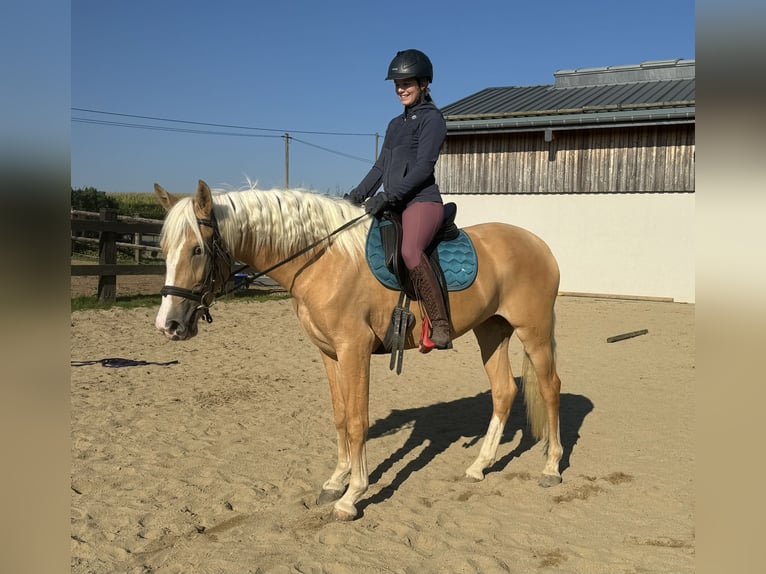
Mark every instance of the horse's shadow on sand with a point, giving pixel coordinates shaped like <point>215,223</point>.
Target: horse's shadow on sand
<point>439,425</point>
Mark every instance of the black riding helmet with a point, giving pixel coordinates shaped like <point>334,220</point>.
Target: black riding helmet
<point>410,64</point>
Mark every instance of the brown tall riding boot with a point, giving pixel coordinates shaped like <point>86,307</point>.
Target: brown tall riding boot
<point>428,290</point>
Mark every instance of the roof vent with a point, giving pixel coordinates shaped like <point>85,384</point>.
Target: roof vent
<point>650,71</point>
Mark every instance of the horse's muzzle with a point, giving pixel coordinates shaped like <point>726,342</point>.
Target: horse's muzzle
<point>179,322</point>
<point>175,331</point>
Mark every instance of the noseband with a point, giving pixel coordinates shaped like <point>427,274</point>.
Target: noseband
<point>213,285</point>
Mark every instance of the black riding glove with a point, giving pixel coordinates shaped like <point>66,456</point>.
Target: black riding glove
<point>355,197</point>
<point>377,204</point>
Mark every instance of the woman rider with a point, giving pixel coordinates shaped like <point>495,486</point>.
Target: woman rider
<point>405,168</point>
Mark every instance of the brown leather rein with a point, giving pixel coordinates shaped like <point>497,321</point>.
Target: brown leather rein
<point>213,287</point>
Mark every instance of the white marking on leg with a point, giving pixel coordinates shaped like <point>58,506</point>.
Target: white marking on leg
<point>337,481</point>
<point>488,449</point>
<point>357,486</point>
<point>555,452</point>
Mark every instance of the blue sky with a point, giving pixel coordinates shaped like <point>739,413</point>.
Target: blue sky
<point>303,67</point>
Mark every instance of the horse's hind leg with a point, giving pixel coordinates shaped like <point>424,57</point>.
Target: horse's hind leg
<point>493,336</point>
<point>542,393</point>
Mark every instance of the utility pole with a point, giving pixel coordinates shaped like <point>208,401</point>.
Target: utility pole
<point>287,160</point>
<point>377,136</point>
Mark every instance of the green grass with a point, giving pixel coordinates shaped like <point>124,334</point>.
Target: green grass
<point>88,302</point>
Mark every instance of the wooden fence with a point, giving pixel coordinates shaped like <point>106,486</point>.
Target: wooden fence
<point>110,227</point>
<point>144,234</point>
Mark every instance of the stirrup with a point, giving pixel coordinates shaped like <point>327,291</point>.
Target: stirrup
<point>426,345</point>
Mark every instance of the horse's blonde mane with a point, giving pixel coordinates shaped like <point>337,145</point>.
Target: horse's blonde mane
<point>282,221</point>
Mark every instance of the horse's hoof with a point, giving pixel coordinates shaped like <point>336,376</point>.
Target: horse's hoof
<point>342,516</point>
<point>548,480</point>
<point>471,478</point>
<point>327,496</point>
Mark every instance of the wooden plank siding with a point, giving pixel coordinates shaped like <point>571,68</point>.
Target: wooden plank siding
<point>635,159</point>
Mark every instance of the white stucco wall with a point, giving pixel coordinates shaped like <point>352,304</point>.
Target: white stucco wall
<point>638,245</point>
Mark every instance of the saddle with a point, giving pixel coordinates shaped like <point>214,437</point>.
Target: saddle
<point>451,255</point>
<point>451,252</point>
<point>391,240</point>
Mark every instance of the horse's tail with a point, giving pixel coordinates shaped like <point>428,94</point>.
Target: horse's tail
<point>537,415</point>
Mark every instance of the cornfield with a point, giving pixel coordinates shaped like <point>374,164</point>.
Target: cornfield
<point>138,204</point>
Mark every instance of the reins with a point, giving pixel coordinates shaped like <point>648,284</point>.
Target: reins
<point>206,298</point>
<point>300,252</point>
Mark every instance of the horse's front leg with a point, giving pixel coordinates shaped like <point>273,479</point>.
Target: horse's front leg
<point>349,380</point>
<point>335,486</point>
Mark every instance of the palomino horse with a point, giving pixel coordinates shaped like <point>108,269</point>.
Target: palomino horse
<point>346,311</point>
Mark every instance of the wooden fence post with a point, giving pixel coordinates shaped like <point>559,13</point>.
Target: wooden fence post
<point>107,255</point>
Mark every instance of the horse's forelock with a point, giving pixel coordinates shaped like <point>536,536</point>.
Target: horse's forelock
<point>178,222</point>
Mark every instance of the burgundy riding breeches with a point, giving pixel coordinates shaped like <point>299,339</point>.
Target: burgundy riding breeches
<point>420,222</point>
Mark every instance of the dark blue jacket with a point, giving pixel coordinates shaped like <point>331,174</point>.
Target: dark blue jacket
<point>407,159</point>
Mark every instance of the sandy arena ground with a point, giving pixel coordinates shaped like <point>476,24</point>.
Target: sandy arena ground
<point>213,464</point>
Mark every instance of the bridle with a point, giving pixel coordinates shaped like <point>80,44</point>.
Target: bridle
<point>214,284</point>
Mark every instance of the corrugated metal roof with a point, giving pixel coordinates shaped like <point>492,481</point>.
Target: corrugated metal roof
<point>660,85</point>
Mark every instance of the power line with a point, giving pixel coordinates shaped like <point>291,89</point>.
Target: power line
<point>212,132</point>
<point>218,125</point>
<point>349,156</point>
<point>168,128</point>
<point>285,134</point>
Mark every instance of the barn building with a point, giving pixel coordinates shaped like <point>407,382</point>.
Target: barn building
<point>600,164</point>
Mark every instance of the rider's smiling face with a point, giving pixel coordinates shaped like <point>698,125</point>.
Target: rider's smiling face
<point>408,90</point>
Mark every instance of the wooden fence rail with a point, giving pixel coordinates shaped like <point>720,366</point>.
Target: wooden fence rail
<point>110,226</point>
<point>134,246</point>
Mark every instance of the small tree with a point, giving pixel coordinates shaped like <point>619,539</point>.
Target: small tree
<point>91,199</point>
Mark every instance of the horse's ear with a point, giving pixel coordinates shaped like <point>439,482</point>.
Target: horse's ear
<point>166,199</point>
<point>203,200</point>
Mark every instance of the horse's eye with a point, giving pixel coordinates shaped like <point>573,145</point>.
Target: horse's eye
<point>197,250</point>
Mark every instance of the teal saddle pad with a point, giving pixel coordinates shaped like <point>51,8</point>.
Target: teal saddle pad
<point>457,258</point>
